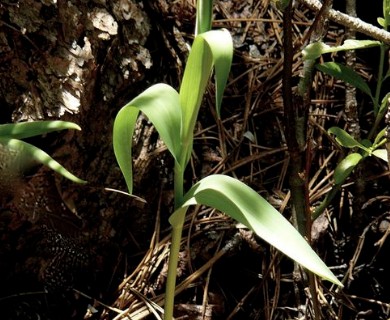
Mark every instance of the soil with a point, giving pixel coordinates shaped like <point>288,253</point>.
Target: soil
<point>91,252</point>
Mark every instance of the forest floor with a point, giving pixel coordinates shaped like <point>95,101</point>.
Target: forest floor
<point>251,280</point>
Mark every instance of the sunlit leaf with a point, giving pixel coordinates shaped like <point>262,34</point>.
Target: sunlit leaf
<point>381,154</point>
<point>342,72</point>
<point>23,130</point>
<point>26,155</point>
<point>123,130</point>
<point>345,167</point>
<point>160,103</point>
<point>242,203</point>
<point>316,49</point>
<point>212,48</point>
<point>381,22</point>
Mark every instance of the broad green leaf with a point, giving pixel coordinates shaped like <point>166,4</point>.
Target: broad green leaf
<point>160,103</point>
<point>221,45</point>
<point>23,130</point>
<point>196,75</point>
<point>316,49</point>
<point>210,48</point>
<point>204,15</point>
<point>345,139</point>
<point>381,154</point>
<point>242,203</point>
<point>346,74</point>
<point>345,167</point>
<point>122,140</point>
<point>26,155</point>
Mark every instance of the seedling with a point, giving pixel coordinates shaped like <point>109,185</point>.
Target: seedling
<point>174,115</point>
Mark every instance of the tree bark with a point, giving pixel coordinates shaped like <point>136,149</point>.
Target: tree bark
<point>78,61</point>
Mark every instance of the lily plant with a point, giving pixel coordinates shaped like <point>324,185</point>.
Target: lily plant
<point>174,115</point>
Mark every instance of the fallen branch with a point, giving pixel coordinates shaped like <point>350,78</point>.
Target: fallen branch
<point>350,22</point>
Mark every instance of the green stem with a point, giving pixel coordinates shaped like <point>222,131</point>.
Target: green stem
<point>378,115</point>
<point>178,185</point>
<point>327,201</point>
<point>204,15</point>
<point>177,230</point>
<point>382,48</point>
<point>172,270</point>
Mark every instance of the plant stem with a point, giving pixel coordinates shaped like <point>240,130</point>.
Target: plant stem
<point>172,270</point>
<point>177,230</point>
<point>351,104</point>
<point>382,49</point>
<point>326,202</point>
<point>178,185</point>
<point>379,113</point>
<point>295,120</point>
<point>204,15</point>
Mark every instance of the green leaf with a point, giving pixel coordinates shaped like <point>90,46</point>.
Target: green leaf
<point>386,14</point>
<point>23,130</point>
<point>204,15</point>
<point>281,4</point>
<point>316,49</point>
<point>346,74</point>
<point>384,105</point>
<point>381,154</point>
<point>345,139</point>
<point>345,167</point>
<point>380,138</point>
<point>242,203</point>
<point>210,48</point>
<point>27,155</point>
<point>122,135</point>
<point>381,22</point>
<point>160,103</point>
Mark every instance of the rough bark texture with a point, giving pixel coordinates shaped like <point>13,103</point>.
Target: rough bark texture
<point>78,61</point>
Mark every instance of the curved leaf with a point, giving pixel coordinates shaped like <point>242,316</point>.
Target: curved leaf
<point>122,140</point>
<point>316,49</point>
<point>26,155</point>
<point>210,48</point>
<point>380,138</point>
<point>345,167</point>
<point>381,154</point>
<point>23,130</point>
<point>346,74</point>
<point>160,103</point>
<point>242,203</point>
<point>221,45</point>
<point>384,104</point>
<point>345,139</point>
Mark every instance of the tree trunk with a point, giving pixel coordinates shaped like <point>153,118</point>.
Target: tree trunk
<point>78,61</point>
